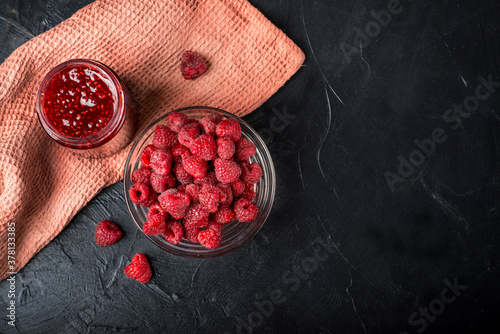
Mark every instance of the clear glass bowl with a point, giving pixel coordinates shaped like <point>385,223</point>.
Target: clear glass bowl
<point>234,234</point>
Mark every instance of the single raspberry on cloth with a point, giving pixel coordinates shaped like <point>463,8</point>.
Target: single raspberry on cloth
<point>107,233</point>
<point>192,65</point>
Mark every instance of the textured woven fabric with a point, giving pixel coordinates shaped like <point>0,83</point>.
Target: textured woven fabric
<point>42,184</point>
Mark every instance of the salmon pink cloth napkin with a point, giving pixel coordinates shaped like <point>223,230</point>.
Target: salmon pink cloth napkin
<point>42,184</point>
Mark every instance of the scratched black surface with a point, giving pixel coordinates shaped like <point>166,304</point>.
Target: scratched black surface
<point>346,124</point>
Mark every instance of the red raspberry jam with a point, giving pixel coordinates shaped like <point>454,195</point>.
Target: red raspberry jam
<point>79,101</point>
<point>82,104</point>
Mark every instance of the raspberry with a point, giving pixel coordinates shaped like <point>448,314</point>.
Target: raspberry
<point>142,175</point>
<point>204,146</point>
<point>229,128</point>
<point>161,183</point>
<point>244,149</point>
<point>197,215</point>
<point>238,187</point>
<point>226,197</point>
<point>191,231</point>
<point>154,225</point>
<point>163,137</point>
<point>225,148</point>
<point>215,226</point>
<point>139,269</point>
<point>209,197</point>
<point>152,199</point>
<point>193,190</point>
<point>249,192</point>
<point>207,179</point>
<point>251,173</point>
<point>188,133</point>
<point>192,65</point>
<point>182,175</point>
<point>176,120</point>
<point>209,122</point>
<point>195,166</point>
<point>211,239</point>
<point>107,233</point>
<point>156,209</point>
<point>179,150</point>
<point>139,193</point>
<point>146,155</point>
<point>173,232</point>
<point>176,203</point>
<point>245,210</point>
<point>224,215</point>
<point>161,161</point>
<point>226,171</point>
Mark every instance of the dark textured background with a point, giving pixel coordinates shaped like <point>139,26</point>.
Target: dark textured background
<point>347,122</point>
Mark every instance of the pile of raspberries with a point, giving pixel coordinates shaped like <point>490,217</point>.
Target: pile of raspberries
<point>195,177</point>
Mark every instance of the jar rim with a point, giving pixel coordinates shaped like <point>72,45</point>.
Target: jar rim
<point>115,123</point>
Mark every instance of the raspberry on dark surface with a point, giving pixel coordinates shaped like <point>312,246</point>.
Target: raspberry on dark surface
<point>229,128</point>
<point>174,232</point>
<point>226,171</point>
<point>209,122</point>
<point>146,155</point>
<point>142,175</point>
<point>107,233</point>
<point>244,149</point>
<point>205,147</point>
<point>163,137</point>
<point>161,161</point>
<point>192,65</point>
<point>245,211</point>
<point>195,166</point>
<point>139,193</point>
<point>161,183</point>
<point>225,148</point>
<point>176,120</point>
<point>154,225</point>
<point>188,133</point>
<point>139,269</point>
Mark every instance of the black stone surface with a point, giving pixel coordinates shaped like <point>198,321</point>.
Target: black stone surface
<point>349,116</point>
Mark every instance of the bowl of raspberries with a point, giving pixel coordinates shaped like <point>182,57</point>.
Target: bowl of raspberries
<point>199,182</point>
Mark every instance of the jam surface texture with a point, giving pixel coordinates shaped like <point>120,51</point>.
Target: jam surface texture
<point>79,101</point>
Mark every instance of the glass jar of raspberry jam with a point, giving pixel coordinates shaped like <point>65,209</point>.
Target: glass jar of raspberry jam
<point>83,105</point>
